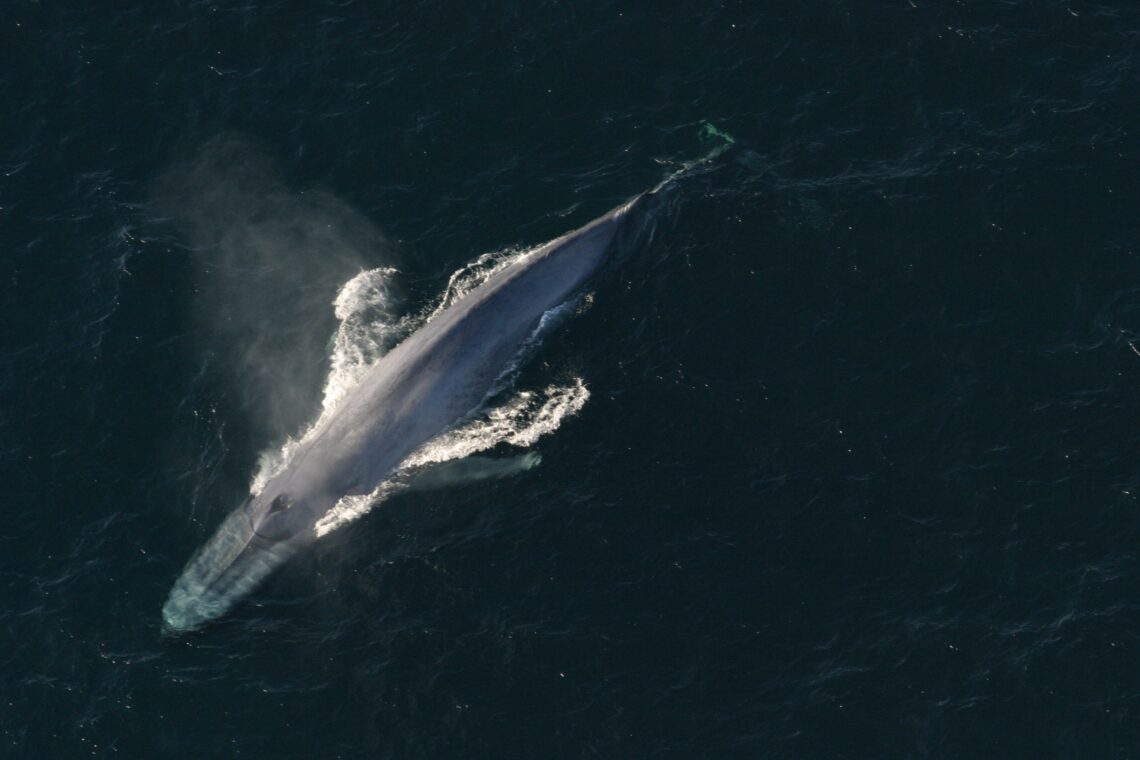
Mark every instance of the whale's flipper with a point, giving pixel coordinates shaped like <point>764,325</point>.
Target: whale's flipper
<point>458,472</point>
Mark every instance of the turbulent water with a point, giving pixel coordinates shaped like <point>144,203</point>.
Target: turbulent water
<point>839,463</point>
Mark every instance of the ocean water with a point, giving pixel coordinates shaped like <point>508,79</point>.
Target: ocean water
<point>841,464</point>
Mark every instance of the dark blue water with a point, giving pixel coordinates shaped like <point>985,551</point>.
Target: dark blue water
<point>857,477</point>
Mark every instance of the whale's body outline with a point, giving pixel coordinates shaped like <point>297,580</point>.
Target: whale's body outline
<point>439,374</point>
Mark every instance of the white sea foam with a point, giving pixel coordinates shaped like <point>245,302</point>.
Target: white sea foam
<point>521,421</point>
<point>369,328</point>
<point>474,273</point>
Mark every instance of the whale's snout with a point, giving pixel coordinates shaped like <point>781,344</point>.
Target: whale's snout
<point>232,564</point>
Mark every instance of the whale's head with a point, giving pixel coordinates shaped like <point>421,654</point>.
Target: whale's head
<point>254,540</point>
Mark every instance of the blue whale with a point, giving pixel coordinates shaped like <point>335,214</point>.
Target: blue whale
<point>437,376</point>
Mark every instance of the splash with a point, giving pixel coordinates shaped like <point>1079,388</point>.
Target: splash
<point>521,422</point>
<point>473,274</point>
<point>369,328</point>
<point>367,331</point>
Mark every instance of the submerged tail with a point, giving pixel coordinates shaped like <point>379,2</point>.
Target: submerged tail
<point>719,144</point>
<point>655,207</point>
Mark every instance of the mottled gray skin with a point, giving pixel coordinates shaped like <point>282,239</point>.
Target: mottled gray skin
<point>415,392</point>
